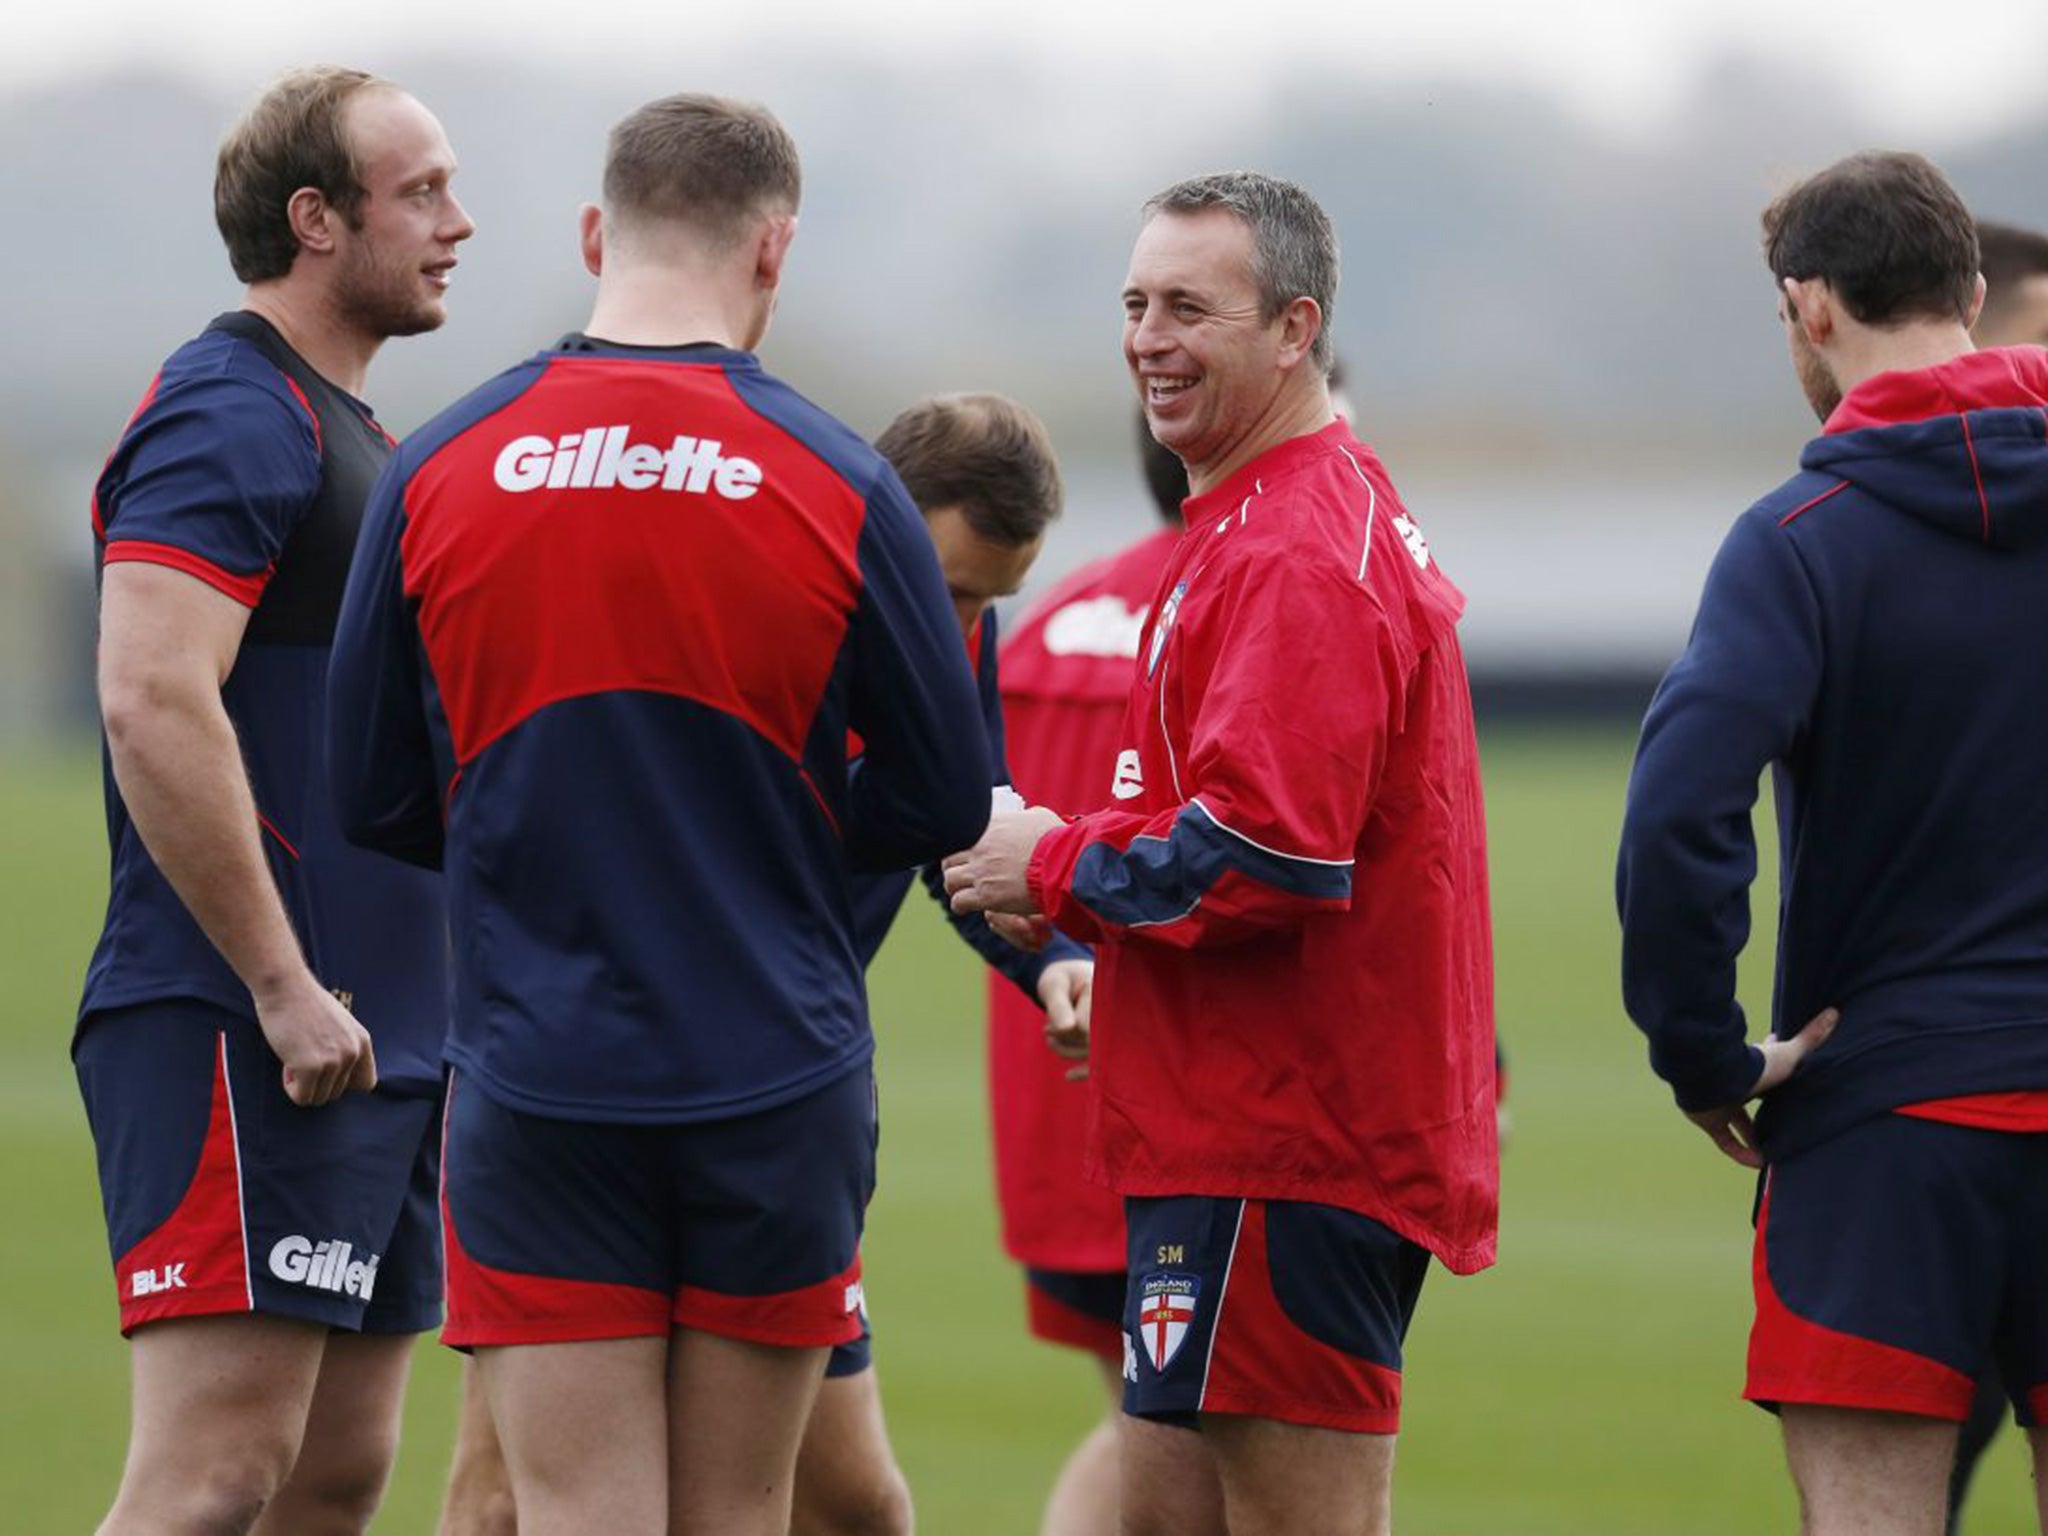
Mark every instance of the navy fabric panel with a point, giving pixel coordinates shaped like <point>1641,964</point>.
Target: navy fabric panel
<point>222,462</point>
<point>1093,1293</point>
<point>369,927</point>
<point>1343,1279</point>
<point>1157,880</point>
<point>656,921</point>
<point>1912,1233</point>
<point>1868,632</point>
<point>754,1205</point>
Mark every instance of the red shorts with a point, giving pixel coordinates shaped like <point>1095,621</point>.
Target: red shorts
<point>1270,1308</point>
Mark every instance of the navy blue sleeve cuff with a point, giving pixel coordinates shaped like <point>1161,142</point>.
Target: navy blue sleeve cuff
<point>1729,1082</point>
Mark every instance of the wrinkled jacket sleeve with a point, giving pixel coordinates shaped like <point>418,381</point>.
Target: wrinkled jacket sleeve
<point>922,791</point>
<point>1737,700</point>
<point>1296,677</point>
<point>379,748</point>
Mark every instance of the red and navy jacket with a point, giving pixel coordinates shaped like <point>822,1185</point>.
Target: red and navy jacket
<point>1870,632</point>
<point>877,898</point>
<point>1066,680</point>
<point>1294,998</point>
<point>246,470</point>
<point>615,615</point>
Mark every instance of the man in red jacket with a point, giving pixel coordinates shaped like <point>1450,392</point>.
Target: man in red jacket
<point>1294,1060</point>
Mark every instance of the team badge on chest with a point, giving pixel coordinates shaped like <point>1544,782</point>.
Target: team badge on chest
<point>1168,612</point>
<point>1166,1311</point>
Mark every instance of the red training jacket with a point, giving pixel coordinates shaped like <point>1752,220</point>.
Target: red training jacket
<point>1295,992</point>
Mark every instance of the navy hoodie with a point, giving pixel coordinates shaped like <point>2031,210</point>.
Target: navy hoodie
<point>1875,631</point>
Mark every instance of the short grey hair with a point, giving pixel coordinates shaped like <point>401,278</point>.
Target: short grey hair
<point>1294,248</point>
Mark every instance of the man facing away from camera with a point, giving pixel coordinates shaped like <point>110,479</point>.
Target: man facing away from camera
<point>617,614</point>
<point>1870,633</point>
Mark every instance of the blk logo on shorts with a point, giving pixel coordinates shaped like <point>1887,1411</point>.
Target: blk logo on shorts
<point>1166,1310</point>
<point>150,1282</point>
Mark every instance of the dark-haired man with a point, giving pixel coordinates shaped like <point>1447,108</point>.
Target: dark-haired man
<point>267,1161</point>
<point>618,612</point>
<point>1866,634</point>
<point>1294,1064</point>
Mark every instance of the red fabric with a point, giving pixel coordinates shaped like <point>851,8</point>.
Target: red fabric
<point>1267,1042</point>
<point>489,1306</point>
<point>1976,381</point>
<point>246,590</point>
<point>197,1263</point>
<point>826,1313</point>
<point>1261,1364</point>
<point>641,569</point>
<point>2023,1110</point>
<point>1054,1321</point>
<point>1795,1360</point>
<point>1066,673</point>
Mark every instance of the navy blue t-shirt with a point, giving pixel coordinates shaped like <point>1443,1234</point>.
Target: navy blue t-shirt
<point>246,470</point>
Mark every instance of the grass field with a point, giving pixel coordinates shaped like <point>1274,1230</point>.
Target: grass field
<point>1586,1386</point>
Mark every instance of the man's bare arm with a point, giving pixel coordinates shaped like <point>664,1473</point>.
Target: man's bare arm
<point>167,644</point>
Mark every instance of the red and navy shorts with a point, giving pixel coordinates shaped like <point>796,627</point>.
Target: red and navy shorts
<point>1082,1308</point>
<point>749,1227</point>
<point>1270,1308</point>
<point>1894,1262</point>
<point>223,1196</point>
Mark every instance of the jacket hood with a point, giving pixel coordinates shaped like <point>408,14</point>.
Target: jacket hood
<point>1962,446</point>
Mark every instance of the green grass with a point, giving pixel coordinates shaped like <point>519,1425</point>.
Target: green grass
<point>1588,1385</point>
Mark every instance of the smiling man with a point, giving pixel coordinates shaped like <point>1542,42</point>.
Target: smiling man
<point>275,1243</point>
<point>1294,1053</point>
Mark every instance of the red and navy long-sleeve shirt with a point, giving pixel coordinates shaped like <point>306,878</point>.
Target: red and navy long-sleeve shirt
<point>614,617</point>
<point>1295,995</point>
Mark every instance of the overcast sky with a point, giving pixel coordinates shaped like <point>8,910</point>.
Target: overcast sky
<point>1943,72</point>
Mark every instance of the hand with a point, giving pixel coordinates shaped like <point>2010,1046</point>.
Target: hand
<point>990,876</point>
<point>1067,989</point>
<point>324,1048</point>
<point>1030,934</point>
<point>1730,1126</point>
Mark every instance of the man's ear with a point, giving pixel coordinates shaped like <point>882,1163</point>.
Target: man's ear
<point>1301,322</point>
<point>1976,304</point>
<point>772,249</point>
<point>1811,304</point>
<point>590,238</point>
<point>312,219</point>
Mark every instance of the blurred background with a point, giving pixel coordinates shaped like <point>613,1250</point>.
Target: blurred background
<point>1560,337</point>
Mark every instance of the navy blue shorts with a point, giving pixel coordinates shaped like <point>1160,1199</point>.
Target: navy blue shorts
<point>1081,1308</point>
<point>563,1230</point>
<point>222,1195</point>
<point>1270,1308</point>
<point>1894,1262</point>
